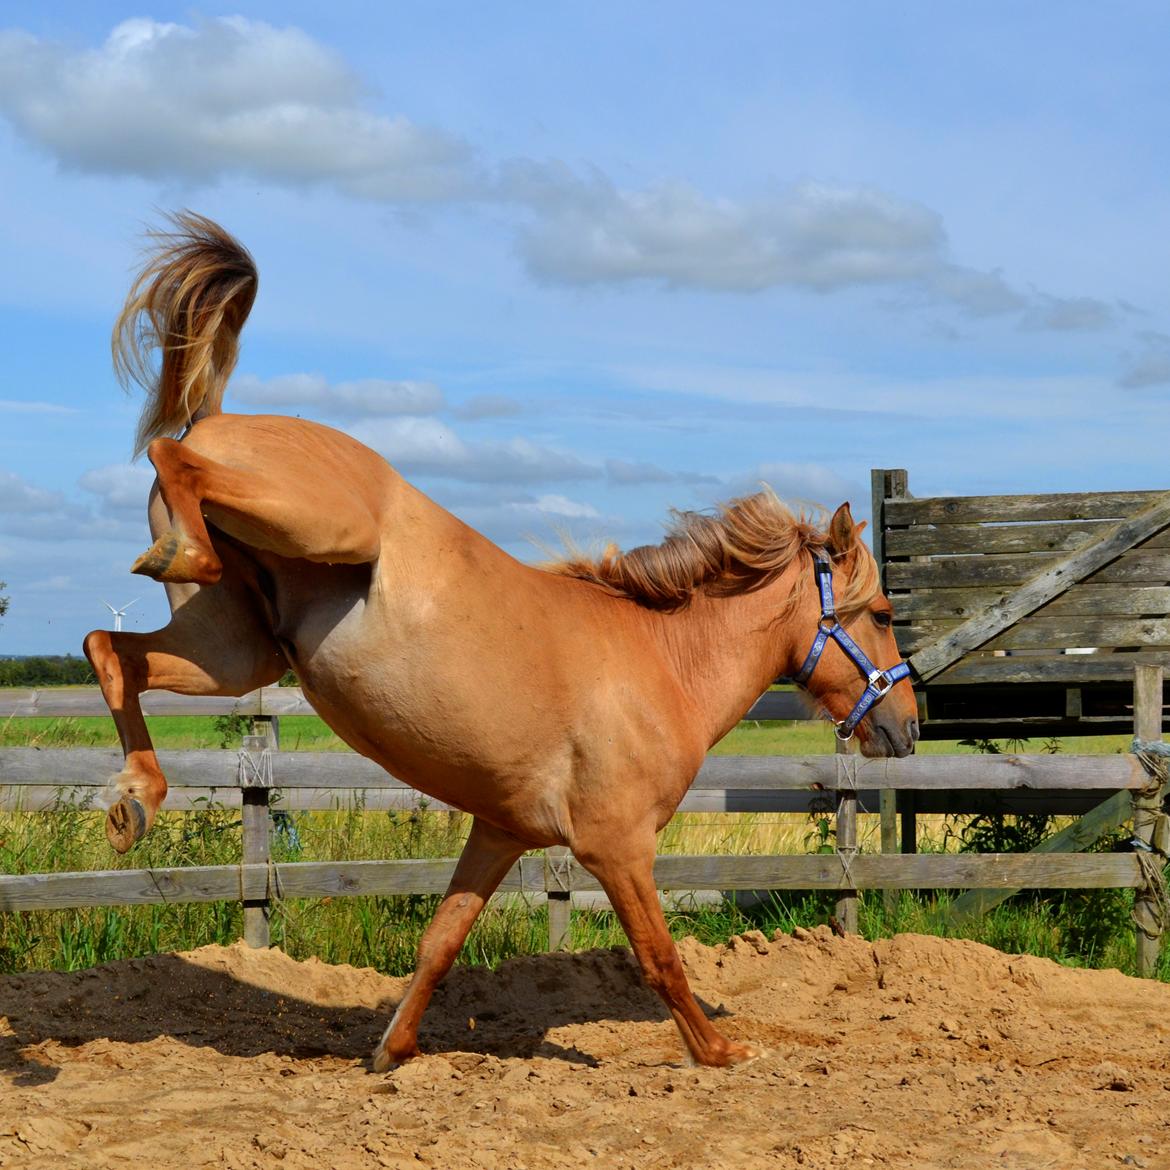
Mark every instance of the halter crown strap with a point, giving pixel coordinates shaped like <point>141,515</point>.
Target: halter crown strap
<point>878,682</point>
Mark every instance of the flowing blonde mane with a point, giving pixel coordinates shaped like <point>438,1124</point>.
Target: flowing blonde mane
<point>743,546</point>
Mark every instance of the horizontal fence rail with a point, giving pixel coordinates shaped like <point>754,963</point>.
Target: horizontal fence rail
<point>259,777</point>
<point>269,701</point>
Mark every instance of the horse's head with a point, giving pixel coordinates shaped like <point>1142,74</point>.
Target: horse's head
<point>853,668</point>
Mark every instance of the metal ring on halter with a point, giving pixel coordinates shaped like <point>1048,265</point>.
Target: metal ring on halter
<point>837,730</point>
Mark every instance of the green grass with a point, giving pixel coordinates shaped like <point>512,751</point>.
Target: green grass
<point>1075,927</point>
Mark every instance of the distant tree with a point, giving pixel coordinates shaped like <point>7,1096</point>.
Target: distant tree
<point>45,670</point>
<point>3,600</point>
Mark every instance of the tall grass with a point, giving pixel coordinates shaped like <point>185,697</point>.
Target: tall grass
<point>1082,927</point>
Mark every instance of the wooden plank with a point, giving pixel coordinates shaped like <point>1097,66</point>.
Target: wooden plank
<point>961,801</point>
<point>77,702</point>
<point>897,871</point>
<point>1114,540</point>
<point>1047,633</point>
<point>1015,539</point>
<point>327,771</point>
<point>967,539</point>
<point>1094,601</point>
<point>1017,508</point>
<point>132,887</point>
<point>1141,566</point>
<point>1064,668</point>
<point>431,876</point>
<point>16,702</point>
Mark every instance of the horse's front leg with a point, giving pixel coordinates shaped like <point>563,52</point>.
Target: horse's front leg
<point>140,787</point>
<point>623,862</point>
<point>216,643</point>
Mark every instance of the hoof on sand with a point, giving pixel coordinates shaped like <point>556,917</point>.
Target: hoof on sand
<point>125,823</point>
<point>384,1061</point>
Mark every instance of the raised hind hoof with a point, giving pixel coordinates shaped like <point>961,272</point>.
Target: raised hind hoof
<point>125,823</point>
<point>172,558</point>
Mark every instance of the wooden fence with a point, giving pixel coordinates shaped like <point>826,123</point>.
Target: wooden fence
<point>1025,615</point>
<point>33,779</point>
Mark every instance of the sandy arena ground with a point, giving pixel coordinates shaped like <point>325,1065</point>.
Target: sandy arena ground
<point>915,1052</point>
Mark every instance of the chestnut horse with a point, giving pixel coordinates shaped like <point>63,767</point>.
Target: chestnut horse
<point>565,705</point>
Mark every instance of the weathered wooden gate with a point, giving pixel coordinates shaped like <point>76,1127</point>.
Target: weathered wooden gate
<point>1025,615</point>
<point>1036,615</point>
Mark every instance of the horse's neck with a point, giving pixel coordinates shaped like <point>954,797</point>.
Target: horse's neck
<point>727,650</point>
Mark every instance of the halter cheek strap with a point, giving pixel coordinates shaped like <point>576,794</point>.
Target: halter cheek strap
<point>878,682</point>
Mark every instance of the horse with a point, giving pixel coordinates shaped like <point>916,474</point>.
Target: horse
<point>564,704</point>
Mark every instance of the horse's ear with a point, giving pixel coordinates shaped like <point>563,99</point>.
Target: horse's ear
<point>843,532</point>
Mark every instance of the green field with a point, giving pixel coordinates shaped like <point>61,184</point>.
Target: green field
<point>1080,927</point>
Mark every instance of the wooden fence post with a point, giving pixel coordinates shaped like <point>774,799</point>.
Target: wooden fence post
<point>1147,806</point>
<point>256,785</point>
<point>558,883</point>
<point>847,842</point>
<point>886,484</point>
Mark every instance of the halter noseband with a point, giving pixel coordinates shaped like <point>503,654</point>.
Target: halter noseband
<point>879,682</point>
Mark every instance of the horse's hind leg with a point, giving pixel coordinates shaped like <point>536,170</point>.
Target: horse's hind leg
<point>486,858</point>
<point>317,509</point>
<point>214,645</point>
<point>626,872</point>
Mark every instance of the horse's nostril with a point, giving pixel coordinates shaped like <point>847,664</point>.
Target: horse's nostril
<point>912,730</point>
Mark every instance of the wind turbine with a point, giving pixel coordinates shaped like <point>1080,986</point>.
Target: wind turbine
<point>119,614</point>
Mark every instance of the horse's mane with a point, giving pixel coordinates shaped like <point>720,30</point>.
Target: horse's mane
<point>744,545</point>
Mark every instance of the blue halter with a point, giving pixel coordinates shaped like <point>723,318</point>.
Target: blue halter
<point>879,682</point>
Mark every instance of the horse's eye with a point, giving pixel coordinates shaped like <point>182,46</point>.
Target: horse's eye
<point>882,619</point>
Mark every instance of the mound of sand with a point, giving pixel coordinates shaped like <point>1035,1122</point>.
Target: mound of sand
<point>912,1052</point>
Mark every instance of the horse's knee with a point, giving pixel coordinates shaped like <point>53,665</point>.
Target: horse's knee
<point>99,649</point>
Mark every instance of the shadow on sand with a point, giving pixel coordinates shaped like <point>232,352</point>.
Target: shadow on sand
<point>514,1008</point>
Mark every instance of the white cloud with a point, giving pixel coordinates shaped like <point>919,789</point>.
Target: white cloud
<point>237,97</point>
<point>808,484</point>
<point>366,396</point>
<point>427,446</point>
<point>958,397</point>
<point>812,236</point>
<point>1069,314</point>
<point>19,498</point>
<point>625,471</point>
<point>488,406</point>
<point>556,507</point>
<point>1151,365</point>
<point>38,515</point>
<point>120,486</point>
<point>230,95</point>
<point>13,406</point>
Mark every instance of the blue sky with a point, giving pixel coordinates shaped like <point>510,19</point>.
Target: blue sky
<point>569,266</point>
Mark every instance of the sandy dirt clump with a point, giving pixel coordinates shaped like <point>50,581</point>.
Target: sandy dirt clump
<point>911,1052</point>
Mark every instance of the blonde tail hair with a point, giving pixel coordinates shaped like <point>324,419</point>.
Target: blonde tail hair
<point>190,302</point>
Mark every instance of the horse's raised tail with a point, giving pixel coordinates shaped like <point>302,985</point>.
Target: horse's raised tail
<point>189,302</point>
